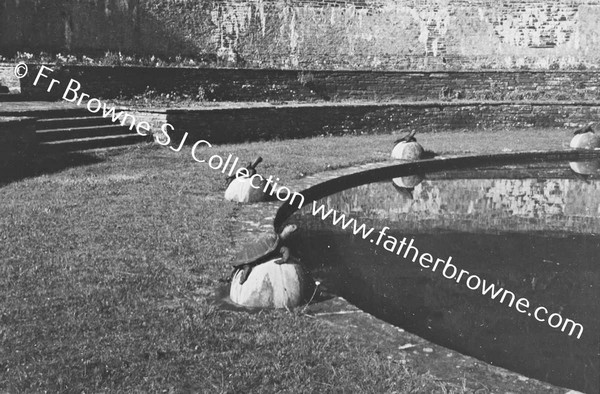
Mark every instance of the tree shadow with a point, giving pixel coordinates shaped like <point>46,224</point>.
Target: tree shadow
<point>18,169</point>
<point>113,29</point>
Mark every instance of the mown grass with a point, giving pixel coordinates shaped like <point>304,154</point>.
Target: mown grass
<point>106,271</point>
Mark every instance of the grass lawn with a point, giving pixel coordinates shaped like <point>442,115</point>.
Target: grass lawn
<point>106,270</point>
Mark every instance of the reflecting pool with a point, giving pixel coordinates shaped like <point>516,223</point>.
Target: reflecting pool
<point>530,229</point>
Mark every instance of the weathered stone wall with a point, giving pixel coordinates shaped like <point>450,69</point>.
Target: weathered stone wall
<point>8,79</point>
<point>17,140</point>
<point>277,85</point>
<point>354,34</point>
<point>267,123</point>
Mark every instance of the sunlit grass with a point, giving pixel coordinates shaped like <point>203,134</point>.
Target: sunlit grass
<point>106,267</point>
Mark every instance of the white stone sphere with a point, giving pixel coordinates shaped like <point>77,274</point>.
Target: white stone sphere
<point>589,167</point>
<point>408,182</point>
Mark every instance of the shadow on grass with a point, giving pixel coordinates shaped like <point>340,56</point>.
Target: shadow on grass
<point>15,170</point>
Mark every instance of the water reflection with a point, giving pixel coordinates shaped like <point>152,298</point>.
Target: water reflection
<point>535,236</point>
<point>485,204</point>
<point>589,167</point>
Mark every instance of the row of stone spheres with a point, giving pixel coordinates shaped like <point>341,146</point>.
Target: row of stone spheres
<point>316,34</point>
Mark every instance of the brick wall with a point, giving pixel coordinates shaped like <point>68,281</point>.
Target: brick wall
<point>277,85</point>
<point>317,34</point>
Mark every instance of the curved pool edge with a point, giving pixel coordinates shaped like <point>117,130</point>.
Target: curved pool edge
<point>256,219</point>
<point>447,365</point>
<point>320,185</point>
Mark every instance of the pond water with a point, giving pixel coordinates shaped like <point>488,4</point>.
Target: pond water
<point>532,229</point>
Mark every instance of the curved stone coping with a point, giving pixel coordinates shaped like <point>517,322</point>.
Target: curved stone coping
<point>258,218</point>
<point>317,187</point>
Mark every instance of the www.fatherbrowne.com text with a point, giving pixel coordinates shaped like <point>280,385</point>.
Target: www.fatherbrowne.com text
<point>408,250</point>
<point>391,244</point>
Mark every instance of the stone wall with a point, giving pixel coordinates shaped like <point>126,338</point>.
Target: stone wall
<point>202,84</point>
<point>8,81</point>
<point>269,122</point>
<point>17,140</point>
<point>325,34</point>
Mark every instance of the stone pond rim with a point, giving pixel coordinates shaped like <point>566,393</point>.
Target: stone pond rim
<point>390,171</point>
<point>387,171</point>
